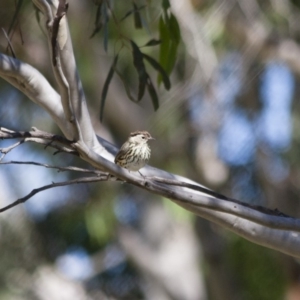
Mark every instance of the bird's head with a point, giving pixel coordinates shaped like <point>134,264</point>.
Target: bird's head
<point>140,137</point>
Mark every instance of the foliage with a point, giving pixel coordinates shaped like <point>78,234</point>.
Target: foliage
<point>169,40</point>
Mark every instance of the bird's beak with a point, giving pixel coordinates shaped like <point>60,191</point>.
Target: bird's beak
<point>151,138</point>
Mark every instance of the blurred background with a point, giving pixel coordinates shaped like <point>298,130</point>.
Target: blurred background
<point>230,121</point>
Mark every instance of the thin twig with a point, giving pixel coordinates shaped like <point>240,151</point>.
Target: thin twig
<point>53,185</point>
<point>4,151</point>
<point>6,133</point>
<point>59,169</point>
<point>10,46</point>
<point>57,142</point>
<point>40,141</point>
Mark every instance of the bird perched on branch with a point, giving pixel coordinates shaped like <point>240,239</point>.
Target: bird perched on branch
<point>135,152</point>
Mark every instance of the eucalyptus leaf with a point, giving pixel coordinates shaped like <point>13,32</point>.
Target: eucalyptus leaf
<point>160,69</point>
<point>141,69</point>
<point>152,93</point>
<point>98,20</point>
<point>164,37</point>
<point>169,32</point>
<point>106,86</point>
<point>152,42</point>
<point>165,4</point>
<point>137,17</point>
<point>127,89</point>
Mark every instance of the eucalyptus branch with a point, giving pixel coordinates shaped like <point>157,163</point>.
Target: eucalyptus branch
<point>234,215</point>
<point>104,177</point>
<point>65,71</point>
<point>64,86</point>
<point>200,201</point>
<point>189,185</point>
<point>35,86</point>
<point>286,241</point>
<point>228,205</point>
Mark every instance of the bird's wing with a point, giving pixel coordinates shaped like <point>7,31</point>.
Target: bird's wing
<point>122,152</point>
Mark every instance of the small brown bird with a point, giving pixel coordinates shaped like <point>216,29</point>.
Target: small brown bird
<point>135,152</point>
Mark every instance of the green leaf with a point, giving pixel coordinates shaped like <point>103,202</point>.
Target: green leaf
<point>101,21</point>
<point>165,4</point>
<point>171,58</point>
<point>130,12</point>
<point>142,87</point>
<point>137,57</point>
<point>141,69</point>
<point>98,20</point>
<point>160,69</point>
<point>165,41</point>
<point>164,46</point>
<point>170,36</point>
<point>106,85</point>
<point>137,17</point>
<point>105,37</point>
<point>174,29</point>
<point>152,42</point>
<point>152,93</point>
<point>127,89</point>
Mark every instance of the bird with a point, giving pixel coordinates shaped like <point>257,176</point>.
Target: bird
<point>135,152</point>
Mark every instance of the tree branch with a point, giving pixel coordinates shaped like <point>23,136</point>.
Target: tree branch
<point>6,150</point>
<point>59,169</point>
<point>65,71</point>
<point>34,85</point>
<point>34,133</point>
<point>237,215</point>
<point>57,142</point>
<point>53,185</point>
<point>189,195</point>
<point>284,223</point>
<point>61,12</point>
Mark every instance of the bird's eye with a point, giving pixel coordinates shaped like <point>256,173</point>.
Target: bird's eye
<point>143,137</point>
